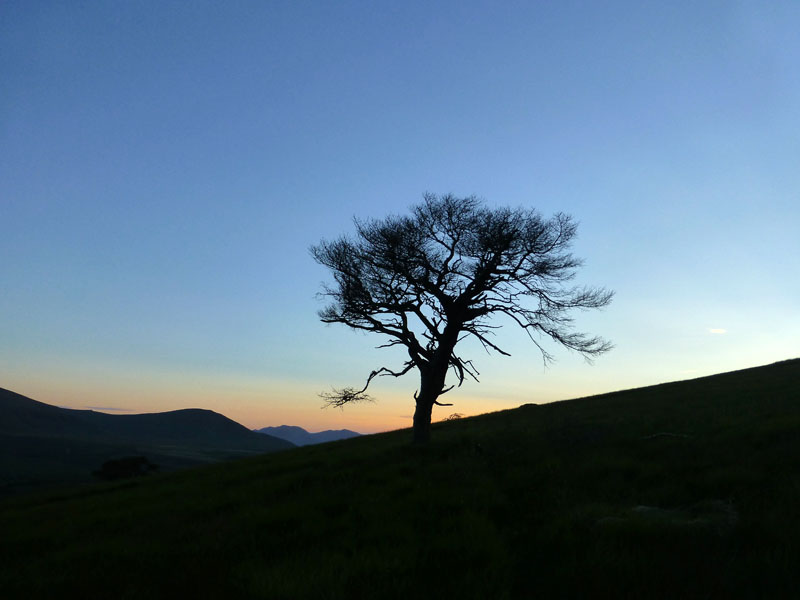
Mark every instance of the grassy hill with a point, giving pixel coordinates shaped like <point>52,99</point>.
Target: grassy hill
<point>42,445</point>
<point>682,490</point>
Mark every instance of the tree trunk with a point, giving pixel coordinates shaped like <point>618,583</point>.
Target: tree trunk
<point>422,423</point>
<point>430,388</point>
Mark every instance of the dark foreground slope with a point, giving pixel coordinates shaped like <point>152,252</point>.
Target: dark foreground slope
<point>43,445</point>
<point>683,490</point>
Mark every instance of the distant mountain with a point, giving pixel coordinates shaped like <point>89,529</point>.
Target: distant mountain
<point>300,437</point>
<point>40,443</point>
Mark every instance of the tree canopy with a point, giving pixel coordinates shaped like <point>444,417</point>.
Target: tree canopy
<point>444,273</point>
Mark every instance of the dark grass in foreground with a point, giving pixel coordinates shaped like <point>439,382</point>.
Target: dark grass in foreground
<point>683,490</point>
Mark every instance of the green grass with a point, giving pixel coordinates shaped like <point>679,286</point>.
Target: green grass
<point>684,490</point>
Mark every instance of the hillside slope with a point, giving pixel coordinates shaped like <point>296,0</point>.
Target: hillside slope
<point>42,444</point>
<point>682,490</point>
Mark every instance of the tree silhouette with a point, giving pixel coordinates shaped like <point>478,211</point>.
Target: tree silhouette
<point>431,279</point>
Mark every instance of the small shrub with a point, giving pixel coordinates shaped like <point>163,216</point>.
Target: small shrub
<point>124,468</point>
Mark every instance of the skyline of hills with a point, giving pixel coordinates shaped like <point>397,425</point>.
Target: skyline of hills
<point>42,444</point>
<point>301,437</point>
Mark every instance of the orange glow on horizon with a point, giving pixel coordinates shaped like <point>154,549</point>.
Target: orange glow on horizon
<point>253,403</point>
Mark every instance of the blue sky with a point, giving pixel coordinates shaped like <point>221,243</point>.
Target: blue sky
<point>164,168</point>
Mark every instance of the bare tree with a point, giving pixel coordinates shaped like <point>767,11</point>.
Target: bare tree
<point>431,279</point>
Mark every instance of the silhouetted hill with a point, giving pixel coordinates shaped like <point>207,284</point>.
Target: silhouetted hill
<point>679,490</point>
<point>20,415</point>
<point>43,444</point>
<point>300,437</point>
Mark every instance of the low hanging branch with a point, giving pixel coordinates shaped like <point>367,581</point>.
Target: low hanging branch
<point>431,279</point>
<point>338,398</point>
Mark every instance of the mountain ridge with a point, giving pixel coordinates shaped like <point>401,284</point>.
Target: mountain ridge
<point>301,437</point>
<point>43,444</point>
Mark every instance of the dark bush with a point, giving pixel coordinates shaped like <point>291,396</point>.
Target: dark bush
<point>123,468</point>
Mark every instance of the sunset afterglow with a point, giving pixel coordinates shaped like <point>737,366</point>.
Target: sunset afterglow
<point>165,168</point>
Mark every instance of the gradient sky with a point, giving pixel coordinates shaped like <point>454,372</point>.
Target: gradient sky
<point>165,166</point>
